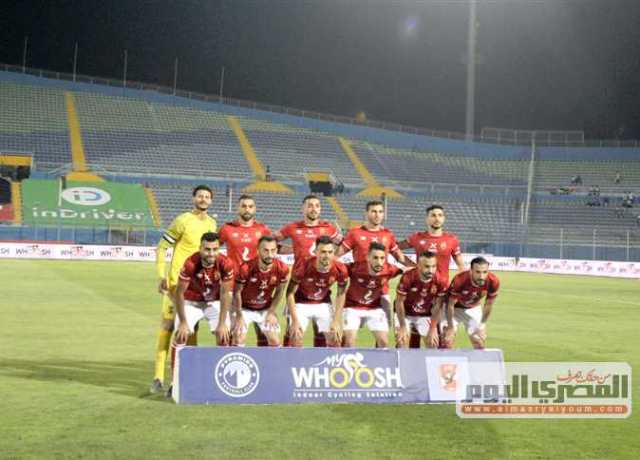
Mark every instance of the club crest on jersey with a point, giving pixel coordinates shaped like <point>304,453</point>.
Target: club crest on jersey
<point>322,231</point>
<point>235,235</point>
<point>443,245</point>
<point>434,289</point>
<point>258,234</point>
<point>363,238</point>
<point>273,280</point>
<point>298,232</point>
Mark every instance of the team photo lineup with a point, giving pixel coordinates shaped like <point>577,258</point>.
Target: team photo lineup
<point>248,285</point>
<point>320,229</point>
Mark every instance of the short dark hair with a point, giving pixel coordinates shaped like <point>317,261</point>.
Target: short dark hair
<point>434,206</point>
<point>310,197</point>
<point>209,237</point>
<point>375,246</point>
<point>374,203</point>
<point>427,254</point>
<point>324,239</point>
<point>267,239</point>
<point>246,197</point>
<point>206,188</point>
<point>479,261</point>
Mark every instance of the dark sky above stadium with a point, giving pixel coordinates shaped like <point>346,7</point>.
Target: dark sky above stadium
<point>548,64</point>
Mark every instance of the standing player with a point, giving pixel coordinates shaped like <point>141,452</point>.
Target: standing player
<point>465,305</point>
<point>303,235</point>
<point>309,293</point>
<point>358,240</point>
<point>445,245</point>
<point>418,302</point>
<point>260,288</point>
<point>204,290</point>
<point>241,239</point>
<point>368,281</point>
<point>183,235</point>
<point>241,235</point>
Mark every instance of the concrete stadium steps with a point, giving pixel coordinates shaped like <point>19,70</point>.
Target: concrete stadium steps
<point>289,150</point>
<point>550,174</point>
<point>34,120</point>
<point>399,165</point>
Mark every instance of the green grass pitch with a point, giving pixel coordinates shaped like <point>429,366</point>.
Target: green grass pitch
<point>76,359</point>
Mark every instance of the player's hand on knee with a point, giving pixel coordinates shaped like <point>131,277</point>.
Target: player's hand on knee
<point>271,320</point>
<point>433,339</point>
<point>335,332</point>
<point>182,334</point>
<point>402,338</point>
<point>481,333</point>
<point>295,332</point>
<point>222,333</point>
<point>238,326</point>
<point>163,287</point>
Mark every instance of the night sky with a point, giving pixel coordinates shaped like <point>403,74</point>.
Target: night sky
<point>549,64</point>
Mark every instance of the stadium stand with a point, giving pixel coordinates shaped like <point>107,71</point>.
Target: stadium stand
<point>174,143</point>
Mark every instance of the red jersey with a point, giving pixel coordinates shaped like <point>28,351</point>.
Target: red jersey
<point>469,295</point>
<point>241,241</point>
<point>315,286</point>
<point>365,290</point>
<point>204,282</point>
<point>304,236</point>
<point>259,286</point>
<point>419,294</point>
<point>359,239</point>
<point>444,246</point>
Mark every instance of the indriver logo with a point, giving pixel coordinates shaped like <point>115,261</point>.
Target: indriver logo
<point>86,196</point>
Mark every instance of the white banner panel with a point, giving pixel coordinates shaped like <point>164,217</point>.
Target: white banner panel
<point>148,254</point>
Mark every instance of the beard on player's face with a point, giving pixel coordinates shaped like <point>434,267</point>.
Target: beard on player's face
<point>266,260</point>
<point>479,281</point>
<point>247,216</point>
<point>202,205</point>
<point>312,215</point>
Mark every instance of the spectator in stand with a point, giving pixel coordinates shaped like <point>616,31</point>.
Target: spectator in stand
<point>618,178</point>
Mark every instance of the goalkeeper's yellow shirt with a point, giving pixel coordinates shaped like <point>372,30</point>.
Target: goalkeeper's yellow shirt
<point>183,235</point>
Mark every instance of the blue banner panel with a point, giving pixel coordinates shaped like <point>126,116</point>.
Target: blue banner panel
<point>233,375</point>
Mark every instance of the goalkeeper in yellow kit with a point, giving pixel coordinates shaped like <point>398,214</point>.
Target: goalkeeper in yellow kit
<point>183,235</point>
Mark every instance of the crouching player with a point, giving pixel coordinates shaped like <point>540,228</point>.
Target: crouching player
<point>204,291</point>
<point>368,281</point>
<point>260,287</point>
<point>309,294</point>
<point>418,304</point>
<point>467,292</point>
